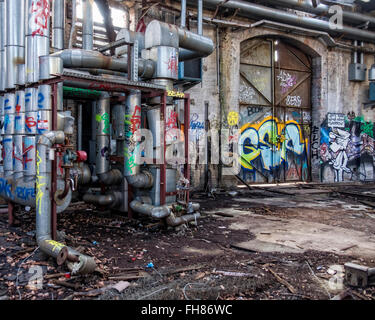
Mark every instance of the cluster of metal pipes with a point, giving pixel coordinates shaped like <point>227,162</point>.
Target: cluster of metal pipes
<point>30,129</point>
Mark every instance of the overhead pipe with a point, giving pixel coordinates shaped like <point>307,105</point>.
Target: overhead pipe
<point>2,47</point>
<point>77,58</point>
<point>246,8</point>
<point>183,14</point>
<point>321,9</point>
<point>88,25</point>
<point>200,17</point>
<point>78,263</point>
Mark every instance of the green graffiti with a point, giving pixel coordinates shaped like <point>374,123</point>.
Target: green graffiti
<point>104,117</point>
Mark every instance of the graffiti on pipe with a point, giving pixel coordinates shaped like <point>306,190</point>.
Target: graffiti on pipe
<point>30,123</point>
<point>39,15</point>
<point>270,141</point>
<point>39,184</point>
<point>175,94</point>
<point>105,118</point>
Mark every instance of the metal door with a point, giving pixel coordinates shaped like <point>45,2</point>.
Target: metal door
<point>275,112</point>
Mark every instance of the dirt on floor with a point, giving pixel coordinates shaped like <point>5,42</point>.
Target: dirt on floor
<point>282,242</point>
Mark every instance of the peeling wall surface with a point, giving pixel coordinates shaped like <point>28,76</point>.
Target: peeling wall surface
<point>333,141</point>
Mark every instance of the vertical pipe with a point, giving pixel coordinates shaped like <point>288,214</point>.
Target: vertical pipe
<point>74,20</point>
<point>186,129</point>
<point>87,26</point>
<point>58,25</point>
<point>79,127</point>
<point>103,134</point>
<point>15,43</point>
<point>2,45</point>
<point>132,124</point>
<point>163,167</point>
<point>183,14</point>
<point>37,37</point>
<point>200,17</point>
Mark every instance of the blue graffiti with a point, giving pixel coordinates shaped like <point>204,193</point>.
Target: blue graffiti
<point>17,123</point>
<point>25,193</point>
<point>6,122</point>
<point>6,106</point>
<point>27,99</point>
<point>40,100</point>
<point>324,136</point>
<point>6,188</point>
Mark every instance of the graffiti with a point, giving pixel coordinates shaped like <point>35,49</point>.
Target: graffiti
<point>176,94</point>
<point>315,143</point>
<point>25,193</point>
<point>42,125</point>
<point>26,158</point>
<point>345,145</point>
<point>233,118</point>
<point>40,13</point>
<point>40,100</point>
<point>6,106</point>
<point>287,81</point>
<point>132,124</point>
<point>39,185</point>
<point>270,141</point>
<point>30,123</point>
<point>196,127</point>
<point>56,246</point>
<point>6,122</point>
<point>173,64</point>
<point>105,152</point>
<point>247,94</point>
<point>135,120</point>
<point>6,188</point>
<point>171,125</point>
<point>253,110</point>
<point>105,118</point>
<point>293,101</point>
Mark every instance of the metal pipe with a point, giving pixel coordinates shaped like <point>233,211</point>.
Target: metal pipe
<point>55,249</point>
<point>183,14</point>
<point>74,20</point>
<point>88,25</point>
<point>247,8</point>
<point>3,71</point>
<point>112,199</point>
<point>80,126</point>
<point>163,34</point>
<point>103,132</point>
<point>77,58</point>
<point>58,31</point>
<point>15,41</point>
<point>174,221</point>
<point>321,9</point>
<point>200,17</point>
<point>143,205</point>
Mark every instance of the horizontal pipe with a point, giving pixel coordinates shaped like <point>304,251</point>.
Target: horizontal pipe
<point>321,9</point>
<point>143,206</point>
<point>112,177</point>
<point>246,8</point>
<point>174,221</point>
<point>77,58</point>
<point>112,199</point>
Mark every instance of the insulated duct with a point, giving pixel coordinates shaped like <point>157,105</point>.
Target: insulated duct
<point>77,58</point>
<point>58,23</point>
<point>246,8</point>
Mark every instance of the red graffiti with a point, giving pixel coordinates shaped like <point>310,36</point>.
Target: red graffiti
<point>40,11</point>
<point>14,154</point>
<point>30,122</point>
<point>173,64</point>
<point>136,119</point>
<point>26,151</point>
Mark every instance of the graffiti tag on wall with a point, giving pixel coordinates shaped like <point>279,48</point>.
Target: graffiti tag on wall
<point>270,141</point>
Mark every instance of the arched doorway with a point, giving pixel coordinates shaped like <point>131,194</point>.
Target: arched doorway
<point>275,109</point>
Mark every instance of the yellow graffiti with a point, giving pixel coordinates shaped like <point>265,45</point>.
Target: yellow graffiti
<point>270,140</point>
<point>39,185</point>
<point>233,118</point>
<point>56,245</point>
<point>176,94</point>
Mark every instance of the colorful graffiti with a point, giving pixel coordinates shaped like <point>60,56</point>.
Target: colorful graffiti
<point>39,185</point>
<point>40,12</point>
<point>270,141</point>
<point>287,81</point>
<point>345,142</point>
